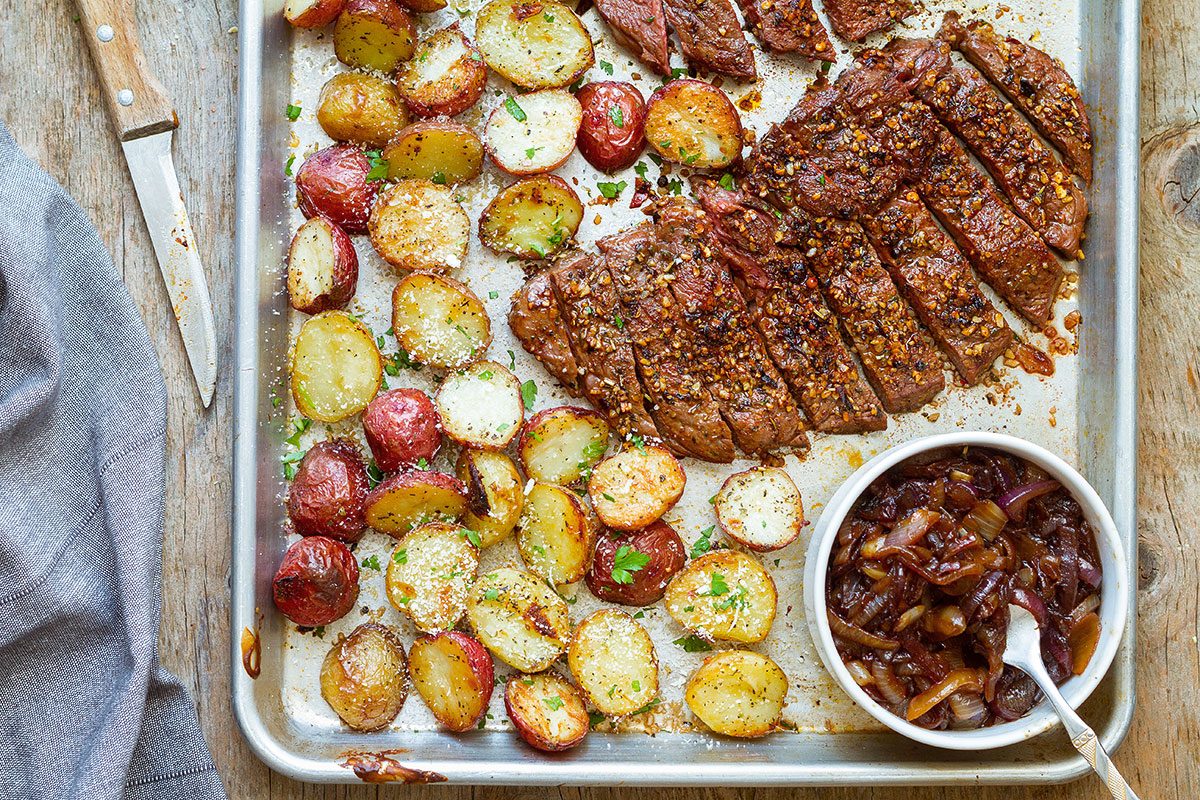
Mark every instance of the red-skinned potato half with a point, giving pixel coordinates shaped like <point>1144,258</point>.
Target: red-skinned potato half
<point>409,499</point>
<point>374,34</point>
<point>328,493</point>
<point>453,674</point>
<point>613,130</point>
<point>445,77</point>
<point>547,712</point>
<point>312,13</point>
<point>402,429</point>
<point>322,267</point>
<point>317,583</point>
<point>633,569</point>
<point>332,183</point>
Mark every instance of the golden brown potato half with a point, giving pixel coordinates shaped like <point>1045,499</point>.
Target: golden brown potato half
<point>724,595</point>
<point>374,34</point>
<point>693,123</point>
<point>562,444</point>
<point>738,693</point>
<point>636,486</point>
<point>481,406</point>
<point>547,712</point>
<point>440,151</point>
<point>539,45</point>
<point>423,6</point>
<point>335,368</point>
<point>312,13</point>
<point>555,534</point>
<point>532,218</point>
<point>410,499</point>
<point>534,132</point>
<point>453,674</point>
<point>417,224</point>
<point>520,619</point>
<point>322,267</point>
<point>364,677</point>
<point>439,321</point>
<point>429,574</point>
<point>760,509</point>
<point>355,107</point>
<point>445,76</point>
<point>613,661</point>
<point>495,493</point>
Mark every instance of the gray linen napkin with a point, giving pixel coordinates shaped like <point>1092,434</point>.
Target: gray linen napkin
<point>85,709</point>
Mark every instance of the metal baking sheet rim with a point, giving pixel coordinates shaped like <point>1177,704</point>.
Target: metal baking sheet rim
<point>748,764</point>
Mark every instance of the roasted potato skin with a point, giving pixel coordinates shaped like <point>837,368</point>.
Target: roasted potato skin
<point>494,493</point>
<point>356,107</point>
<point>344,272</point>
<point>525,700</point>
<point>682,113</point>
<point>314,13</point>
<point>364,677</point>
<point>327,495</point>
<point>401,232</point>
<point>461,708</point>
<point>423,6</point>
<point>379,507</point>
<point>332,183</point>
<point>456,90</point>
<point>402,427</point>
<point>317,583</point>
<point>606,145</point>
<point>667,556</point>
<point>354,49</point>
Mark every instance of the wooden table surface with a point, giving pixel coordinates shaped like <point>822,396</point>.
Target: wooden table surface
<point>50,103</point>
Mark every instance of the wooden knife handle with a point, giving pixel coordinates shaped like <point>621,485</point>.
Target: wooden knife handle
<point>136,101</point>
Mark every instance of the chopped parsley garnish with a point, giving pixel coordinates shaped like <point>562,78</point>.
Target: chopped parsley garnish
<point>471,536</point>
<point>608,497</point>
<point>704,543</point>
<point>374,474</point>
<point>640,615</point>
<point>300,426</point>
<point>529,393</point>
<point>735,600</point>
<point>627,561</point>
<point>502,427</point>
<point>439,178</point>
<point>379,166</point>
<point>727,183</point>
<point>530,152</point>
<point>553,703</point>
<point>646,707</point>
<point>675,187</point>
<point>619,321</point>
<point>718,586</point>
<point>492,295</point>
<point>611,190</point>
<point>636,686</point>
<point>614,114</point>
<point>638,442</point>
<point>486,375</point>
<point>287,168</point>
<point>491,594</point>
<point>537,248</point>
<point>293,112</point>
<point>422,463</point>
<point>546,15</point>
<point>400,556</point>
<point>640,168</point>
<point>693,644</point>
<point>515,110</point>
<point>290,466</point>
<point>371,562</point>
<point>512,360</point>
<point>607,67</point>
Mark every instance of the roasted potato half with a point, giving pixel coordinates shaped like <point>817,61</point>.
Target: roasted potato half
<point>633,569</point>
<point>495,493</point>
<point>429,574</point>
<point>377,35</point>
<point>322,267</point>
<point>534,132</point>
<point>445,76</point>
<point>417,224</point>
<point>760,508</point>
<point>439,321</point>
<point>405,501</point>
<point>562,444</point>
<point>532,218</point>
<point>547,712</point>
<point>364,677</point>
<point>328,494</point>
<point>481,406</point>
<point>613,661</point>
<point>356,107</point>
<point>423,6</point>
<point>555,534</point>
<point>439,151</point>
<point>539,45</point>
<point>453,674</point>
<point>693,123</point>
<point>402,429</point>
<point>317,583</point>
<point>312,13</point>
<point>336,369</point>
<point>636,486</point>
<point>520,619</point>
<point>613,131</point>
<point>332,183</point>
<point>725,595</point>
<point>738,693</point>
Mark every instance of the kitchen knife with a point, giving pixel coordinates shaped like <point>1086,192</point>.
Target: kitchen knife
<point>145,122</point>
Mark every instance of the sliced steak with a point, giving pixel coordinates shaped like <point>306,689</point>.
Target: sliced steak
<point>937,281</point>
<point>799,331</point>
<point>537,323</point>
<point>607,376</point>
<point>641,27</point>
<point>711,38</point>
<point>1037,83</point>
<point>687,417</point>
<point>754,400</point>
<point>789,26</point>
<point>854,19</point>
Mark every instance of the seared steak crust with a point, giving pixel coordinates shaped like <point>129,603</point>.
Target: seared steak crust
<point>536,321</point>
<point>710,37</point>
<point>854,19</point>
<point>789,26</point>
<point>640,26</point>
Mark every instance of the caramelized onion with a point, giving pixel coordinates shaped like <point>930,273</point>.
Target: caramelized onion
<point>1083,639</point>
<point>926,700</point>
<point>857,635</point>
<point>1013,502</point>
<point>985,518</point>
<point>891,688</point>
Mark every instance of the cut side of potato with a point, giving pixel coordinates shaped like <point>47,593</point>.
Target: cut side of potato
<point>481,406</point>
<point>336,369</point>
<point>322,267</point>
<point>495,495</point>
<point>430,573</point>
<point>439,151</point>
<point>561,445</point>
<point>636,486</point>
<point>355,107</point>
<point>555,534</point>
<point>760,508</point>
<point>547,712</point>
<point>445,76</point>
<point>532,218</point>
<point>312,13</point>
<point>374,34</point>
<point>538,45</point>
<point>453,674</point>
<point>534,132</point>
<point>519,618</point>
<point>738,693</point>
<point>725,595</point>
<point>613,661</point>
<point>417,224</point>
<point>410,499</point>
<point>693,123</point>
<point>439,321</point>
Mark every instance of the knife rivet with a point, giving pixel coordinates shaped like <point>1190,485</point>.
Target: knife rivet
<point>125,97</point>
<point>105,33</point>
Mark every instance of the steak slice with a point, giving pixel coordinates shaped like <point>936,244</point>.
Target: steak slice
<point>754,400</point>
<point>937,281</point>
<point>897,357</point>
<point>854,19</point>
<point>789,26</point>
<point>537,323</point>
<point>1037,83</point>
<point>1041,189</point>
<point>800,332</point>
<point>710,37</point>
<point>585,295</point>
<point>640,26</point>
<point>687,417</point>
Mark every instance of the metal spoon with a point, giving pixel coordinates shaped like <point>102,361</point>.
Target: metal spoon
<point>1024,650</point>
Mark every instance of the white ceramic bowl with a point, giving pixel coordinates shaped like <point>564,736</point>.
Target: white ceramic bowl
<point>1114,597</point>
